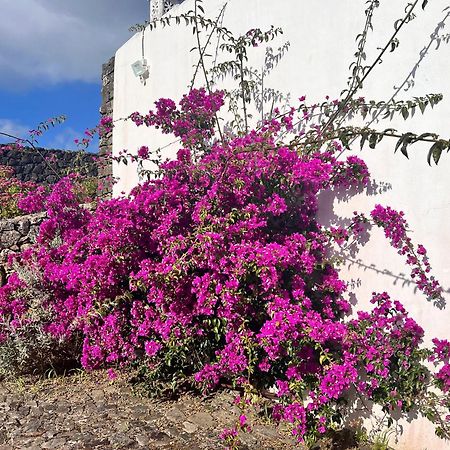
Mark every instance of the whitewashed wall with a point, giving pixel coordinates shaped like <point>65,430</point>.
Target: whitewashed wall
<point>322,36</point>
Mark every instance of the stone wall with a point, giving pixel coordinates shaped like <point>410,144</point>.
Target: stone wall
<point>106,109</point>
<point>46,166</point>
<point>15,235</point>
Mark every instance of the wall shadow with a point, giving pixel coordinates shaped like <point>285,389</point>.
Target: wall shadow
<point>408,82</point>
<point>328,217</point>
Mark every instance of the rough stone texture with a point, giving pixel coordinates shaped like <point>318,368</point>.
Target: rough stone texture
<point>87,411</point>
<point>18,234</point>
<point>15,235</point>
<point>45,166</point>
<point>105,145</point>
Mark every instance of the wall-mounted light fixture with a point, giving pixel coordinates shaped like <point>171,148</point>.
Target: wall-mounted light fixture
<point>140,68</point>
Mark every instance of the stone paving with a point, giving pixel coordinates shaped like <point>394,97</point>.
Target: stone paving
<point>91,412</point>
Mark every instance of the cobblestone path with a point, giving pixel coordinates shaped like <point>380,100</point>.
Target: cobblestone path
<point>90,412</point>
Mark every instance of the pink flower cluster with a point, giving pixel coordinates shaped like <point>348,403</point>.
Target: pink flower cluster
<point>395,229</point>
<point>441,356</point>
<point>193,121</point>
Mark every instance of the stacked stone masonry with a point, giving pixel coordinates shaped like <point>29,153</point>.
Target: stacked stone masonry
<point>15,235</point>
<point>106,109</point>
<point>46,166</point>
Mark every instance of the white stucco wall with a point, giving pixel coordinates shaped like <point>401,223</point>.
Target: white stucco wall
<point>322,36</point>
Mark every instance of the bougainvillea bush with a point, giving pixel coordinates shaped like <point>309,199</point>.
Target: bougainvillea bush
<point>217,271</point>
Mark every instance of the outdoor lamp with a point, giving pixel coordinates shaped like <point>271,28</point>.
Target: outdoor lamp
<point>140,68</point>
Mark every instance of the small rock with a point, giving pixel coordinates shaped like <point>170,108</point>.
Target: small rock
<point>63,408</point>
<point>32,426</point>
<point>142,440</point>
<point>121,440</point>
<point>50,434</point>
<point>203,420</point>
<point>177,433</point>
<point>190,427</point>
<point>54,444</point>
<point>23,226</point>
<point>122,426</point>
<point>4,407</point>
<point>266,431</point>
<point>224,416</point>
<point>175,415</point>
<point>97,395</point>
<point>249,439</point>
<point>36,411</point>
<point>31,403</point>
<point>9,238</point>
<point>138,412</point>
<point>77,437</point>
<point>156,435</point>
<point>94,442</point>
<point>48,407</point>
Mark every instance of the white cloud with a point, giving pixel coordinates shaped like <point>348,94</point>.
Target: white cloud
<point>44,41</point>
<point>12,128</point>
<point>64,139</point>
<point>60,137</point>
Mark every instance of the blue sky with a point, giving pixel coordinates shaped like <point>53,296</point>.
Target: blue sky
<point>50,62</point>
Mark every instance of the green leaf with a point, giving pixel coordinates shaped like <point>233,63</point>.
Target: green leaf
<point>404,149</point>
<point>403,143</point>
<point>426,135</point>
<point>373,140</point>
<point>394,44</point>
<point>399,143</point>
<point>422,106</point>
<point>435,153</point>
<point>363,140</point>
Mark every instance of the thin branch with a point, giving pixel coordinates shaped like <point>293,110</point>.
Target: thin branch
<point>243,92</point>
<point>362,43</point>
<point>202,61</point>
<point>203,50</point>
<point>359,132</point>
<point>352,92</point>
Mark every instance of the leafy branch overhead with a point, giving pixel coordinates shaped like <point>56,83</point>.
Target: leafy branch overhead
<point>404,140</point>
<point>330,115</point>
